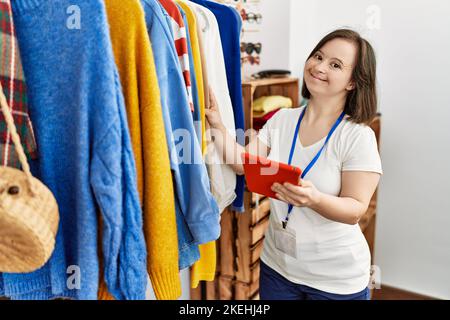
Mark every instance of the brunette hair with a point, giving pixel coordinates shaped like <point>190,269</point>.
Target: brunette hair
<point>361,103</point>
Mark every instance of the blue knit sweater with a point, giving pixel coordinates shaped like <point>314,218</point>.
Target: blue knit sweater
<point>86,159</point>
<point>193,196</point>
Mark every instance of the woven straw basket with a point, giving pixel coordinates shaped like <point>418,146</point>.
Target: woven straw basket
<point>28,212</point>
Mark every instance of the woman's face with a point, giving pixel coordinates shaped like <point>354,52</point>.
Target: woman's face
<point>329,70</point>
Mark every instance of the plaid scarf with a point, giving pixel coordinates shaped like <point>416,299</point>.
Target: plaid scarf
<point>14,88</point>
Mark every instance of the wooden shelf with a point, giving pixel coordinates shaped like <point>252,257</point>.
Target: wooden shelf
<point>251,225</point>
<point>268,82</point>
<point>253,89</point>
<point>368,221</point>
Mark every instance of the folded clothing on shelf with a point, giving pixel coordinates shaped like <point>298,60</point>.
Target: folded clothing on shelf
<point>259,122</point>
<point>266,104</point>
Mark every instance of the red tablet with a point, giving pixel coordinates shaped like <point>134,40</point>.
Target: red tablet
<point>261,173</point>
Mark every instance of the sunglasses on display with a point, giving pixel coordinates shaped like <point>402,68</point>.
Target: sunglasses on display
<point>251,59</point>
<point>249,47</point>
<point>251,17</point>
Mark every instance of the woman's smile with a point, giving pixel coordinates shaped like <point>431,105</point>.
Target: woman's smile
<point>316,77</point>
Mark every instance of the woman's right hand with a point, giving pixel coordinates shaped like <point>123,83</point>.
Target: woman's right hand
<point>212,113</point>
<point>227,146</point>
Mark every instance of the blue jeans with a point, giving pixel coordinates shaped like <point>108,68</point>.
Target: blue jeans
<point>273,286</point>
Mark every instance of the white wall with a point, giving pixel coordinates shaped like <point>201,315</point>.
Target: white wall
<point>413,238</point>
<point>413,49</point>
<point>275,40</point>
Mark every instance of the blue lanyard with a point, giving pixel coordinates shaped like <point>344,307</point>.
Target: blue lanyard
<point>314,160</point>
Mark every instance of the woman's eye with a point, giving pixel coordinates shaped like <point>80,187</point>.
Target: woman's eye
<point>336,66</point>
<point>317,56</point>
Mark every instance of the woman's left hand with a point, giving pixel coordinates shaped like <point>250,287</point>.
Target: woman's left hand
<point>303,195</point>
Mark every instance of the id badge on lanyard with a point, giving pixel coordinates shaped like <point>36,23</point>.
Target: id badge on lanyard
<point>285,240</point>
<point>314,160</point>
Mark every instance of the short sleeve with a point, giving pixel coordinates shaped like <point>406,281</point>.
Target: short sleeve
<point>361,151</point>
<point>266,133</point>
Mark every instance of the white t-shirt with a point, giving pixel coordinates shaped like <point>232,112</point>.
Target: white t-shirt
<point>331,256</point>
<point>222,176</point>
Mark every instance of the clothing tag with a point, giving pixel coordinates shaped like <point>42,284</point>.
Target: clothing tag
<point>286,240</point>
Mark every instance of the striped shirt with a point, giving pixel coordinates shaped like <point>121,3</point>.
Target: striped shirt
<point>181,45</point>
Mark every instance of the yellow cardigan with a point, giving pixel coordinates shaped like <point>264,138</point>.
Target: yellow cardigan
<point>134,58</point>
<point>192,24</point>
<point>205,267</point>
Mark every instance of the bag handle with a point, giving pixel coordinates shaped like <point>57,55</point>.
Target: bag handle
<point>16,139</point>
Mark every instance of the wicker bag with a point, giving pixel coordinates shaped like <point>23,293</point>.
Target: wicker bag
<point>28,212</point>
